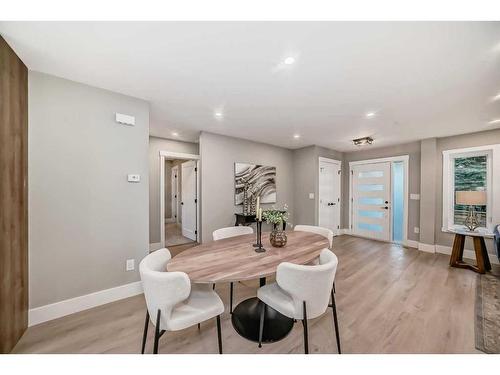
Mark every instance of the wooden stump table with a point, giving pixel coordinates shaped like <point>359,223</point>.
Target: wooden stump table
<point>482,260</point>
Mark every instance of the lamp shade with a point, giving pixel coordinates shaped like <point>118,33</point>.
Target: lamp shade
<point>471,198</point>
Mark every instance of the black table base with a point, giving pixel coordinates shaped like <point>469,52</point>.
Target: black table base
<point>246,320</point>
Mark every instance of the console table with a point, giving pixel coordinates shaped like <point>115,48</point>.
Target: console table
<point>482,260</point>
<point>247,220</point>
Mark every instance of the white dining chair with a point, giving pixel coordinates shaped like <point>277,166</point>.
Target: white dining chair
<point>172,301</point>
<point>325,232</point>
<point>228,232</point>
<point>302,292</point>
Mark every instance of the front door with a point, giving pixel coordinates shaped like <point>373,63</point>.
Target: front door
<point>329,195</point>
<point>371,203</point>
<point>189,200</point>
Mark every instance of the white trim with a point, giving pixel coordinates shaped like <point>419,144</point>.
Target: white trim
<point>426,247</point>
<point>406,164</point>
<point>344,231</point>
<point>339,164</point>
<point>411,243</point>
<point>164,155</point>
<point>493,213</point>
<point>70,306</point>
<point>468,254</point>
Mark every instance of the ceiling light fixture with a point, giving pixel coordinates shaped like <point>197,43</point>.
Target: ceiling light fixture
<point>289,60</point>
<point>495,98</point>
<point>175,134</point>
<point>495,121</point>
<point>218,114</point>
<point>363,141</point>
<point>370,114</point>
<point>296,136</point>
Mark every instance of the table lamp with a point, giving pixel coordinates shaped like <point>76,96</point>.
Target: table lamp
<point>471,199</point>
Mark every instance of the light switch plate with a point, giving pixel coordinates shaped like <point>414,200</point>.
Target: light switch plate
<point>416,230</point>
<point>125,119</point>
<point>415,197</point>
<point>130,265</point>
<point>311,195</point>
<point>134,178</point>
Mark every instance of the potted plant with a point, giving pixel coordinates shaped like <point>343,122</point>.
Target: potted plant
<point>277,218</point>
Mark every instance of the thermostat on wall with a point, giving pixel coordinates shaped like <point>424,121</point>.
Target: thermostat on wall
<point>125,119</point>
<point>134,178</point>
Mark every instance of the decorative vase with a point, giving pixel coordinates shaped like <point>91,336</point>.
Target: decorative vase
<point>277,237</point>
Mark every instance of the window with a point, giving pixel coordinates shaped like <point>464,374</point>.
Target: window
<point>470,170</point>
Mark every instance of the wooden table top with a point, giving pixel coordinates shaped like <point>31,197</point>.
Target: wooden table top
<point>234,259</point>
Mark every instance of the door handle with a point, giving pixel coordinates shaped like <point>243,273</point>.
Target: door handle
<point>182,203</point>
<point>385,208</point>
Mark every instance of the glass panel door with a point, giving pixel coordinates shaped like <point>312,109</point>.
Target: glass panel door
<point>371,200</point>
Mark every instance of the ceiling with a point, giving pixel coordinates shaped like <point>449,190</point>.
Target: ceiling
<point>422,79</point>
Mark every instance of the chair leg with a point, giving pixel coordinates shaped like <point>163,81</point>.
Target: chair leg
<point>145,334</point>
<point>336,323</point>
<point>219,334</point>
<point>304,322</point>
<point>199,326</point>
<point>261,325</point>
<point>157,333</point>
<point>213,286</point>
<point>231,299</point>
<point>334,287</point>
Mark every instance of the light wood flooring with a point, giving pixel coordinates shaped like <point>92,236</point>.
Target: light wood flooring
<point>173,235</point>
<point>390,299</point>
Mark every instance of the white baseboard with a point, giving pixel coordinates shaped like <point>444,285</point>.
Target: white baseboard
<point>426,247</point>
<point>344,231</point>
<point>155,246</point>
<point>70,306</point>
<point>411,243</point>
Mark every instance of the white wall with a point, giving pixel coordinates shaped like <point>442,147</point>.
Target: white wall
<point>218,155</point>
<point>85,219</point>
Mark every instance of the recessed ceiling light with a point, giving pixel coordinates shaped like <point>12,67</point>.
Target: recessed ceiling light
<point>363,141</point>
<point>296,136</point>
<point>289,60</point>
<point>370,114</point>
<point>495,121</point>
<point>495,98</point>
<point>175,134</point>
<point>218,114</point>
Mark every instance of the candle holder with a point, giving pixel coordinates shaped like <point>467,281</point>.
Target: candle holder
<point>258,245</point>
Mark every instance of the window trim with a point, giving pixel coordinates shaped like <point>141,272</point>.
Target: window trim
<point>493,189</point>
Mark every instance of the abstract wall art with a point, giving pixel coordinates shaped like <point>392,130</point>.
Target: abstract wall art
<point>258,180</point>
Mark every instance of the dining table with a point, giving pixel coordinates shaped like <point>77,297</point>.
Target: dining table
<point>235,259</point>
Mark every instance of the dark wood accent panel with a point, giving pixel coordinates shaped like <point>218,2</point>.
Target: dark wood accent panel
<point>13,197</point>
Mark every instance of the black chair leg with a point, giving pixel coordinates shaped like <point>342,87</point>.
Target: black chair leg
<point>145,334</point>
<point>157,333</point>
<point>261,325</point>
<point>304,322</point>
<point>199,326</point>
<point>231,299</point>
<point>219,334</point>
<point>335,321</point>
<point>334,287</point>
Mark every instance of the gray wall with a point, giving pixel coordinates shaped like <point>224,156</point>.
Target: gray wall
<point>450,143</point>
<point>218,155</point>
<point>155,146</point>
<point>428,192</point>
<point>411,149</point>
<point>85,219</point>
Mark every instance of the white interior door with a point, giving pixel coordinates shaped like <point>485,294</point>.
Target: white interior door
<point>175,173</point>
<point>329,195</point>
<point>189,199</point>
<point>371,203</point>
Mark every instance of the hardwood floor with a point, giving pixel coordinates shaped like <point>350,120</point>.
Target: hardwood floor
<point>389,299</point>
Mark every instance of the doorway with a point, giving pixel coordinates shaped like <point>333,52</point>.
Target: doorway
<point>179,190</point>
<point>329,179</point>
<point>378,199</point>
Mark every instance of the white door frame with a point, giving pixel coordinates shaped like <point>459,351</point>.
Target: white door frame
<point>339,163</point>
<point>175,198</point>
<point>165,155</point>
<point>405,159</point>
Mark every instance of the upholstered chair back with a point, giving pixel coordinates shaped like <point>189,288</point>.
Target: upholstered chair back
<point>312,284</point>
<point>325,232</point>
<point>162,289</point>
<point>222,233</point>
